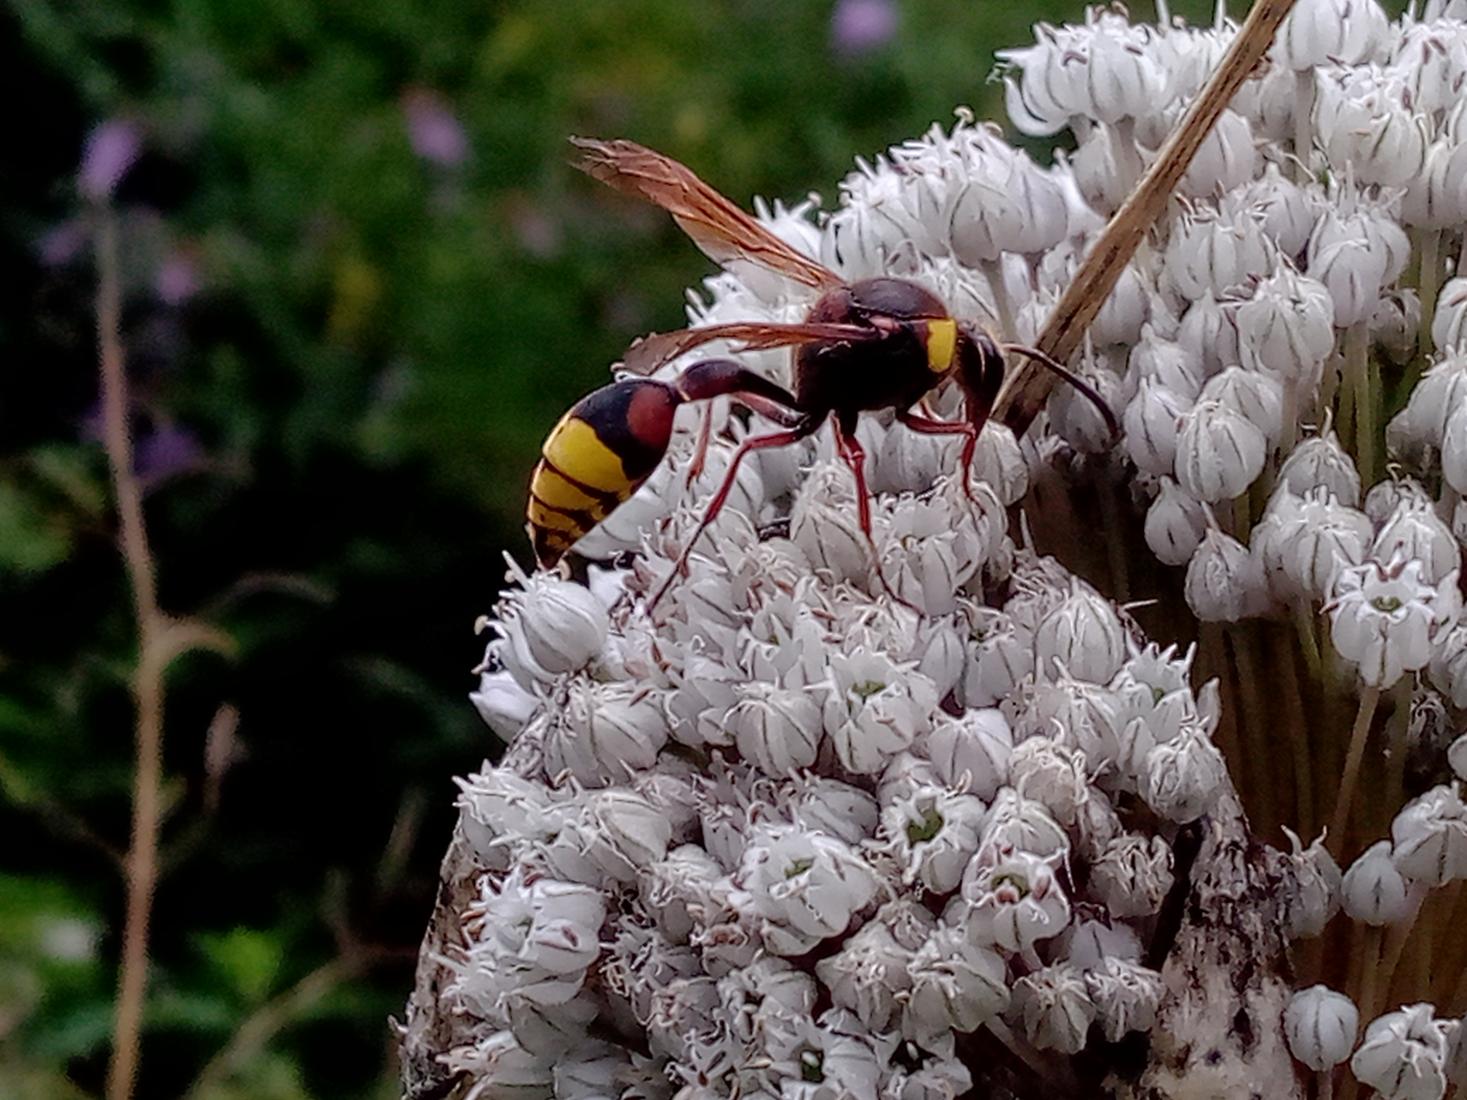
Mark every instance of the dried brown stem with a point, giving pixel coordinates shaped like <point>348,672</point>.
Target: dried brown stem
<point>1087,292</point>
<point>142,857</point>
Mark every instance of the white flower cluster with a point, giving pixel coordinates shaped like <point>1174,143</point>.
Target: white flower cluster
<point>798,838</point>
<point>916,821</point>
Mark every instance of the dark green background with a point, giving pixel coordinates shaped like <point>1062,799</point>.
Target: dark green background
<point>377,346</point>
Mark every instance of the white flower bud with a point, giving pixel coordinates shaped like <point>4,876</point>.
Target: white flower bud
<point>776,728</point>
<point>1353,273</point>
<point>971,753</point>
<point>1395,325</point>
<point>1317,32</point>
<point>503,704</point>
<point>1216,251</point>
<point>1321,1026</point>
<point>1087,944</point>
<point>1454,449</point>
<point>1404,1055</point>
<point>1436,197</point>
<point>627,833</point>
<point>1084,635</point>
<point>830,806</point>
<point>1254,396</point>
<point>1430,836</point>
<point>805,885</point>
<point>1209,333</point>
<point>1000,656</point>
<point>868,975</point>
<point>1227,158</point>
<point>1414,531</point>
<point>603,732</point>
<point>1074,416</point>
<point>1288,210</point>
<point>826,526</point>
<point>1385,618</point>
<point>1166,364</point>
<point>1287,326</point>
<point>1125,995</point>
<point>1373,890</point>
<point>1123,314</point>
<point>1013,900</point>
<point>874,709</point>
<point>1133,874</point>
<point>679,891</point>
<point>1052,775</point>
<point>933,833</point>
<point>1218,452</point>
<point>999,463</point>
<point>1022,825</point>
<point>500,810</point>
<point>1223,583</point>
<point>549,627</point>
<point>1184,776</point>
<point>1321,462</point>
<point>1055,1008</point>
<point>954,984</point>
<point>1151,422</point>
<point>1363,120</point>
<point>1175,524</point>
<point>1457,758</point>
<point>1449,324</point>
<point>927,553</point>
<point>1313,890</point>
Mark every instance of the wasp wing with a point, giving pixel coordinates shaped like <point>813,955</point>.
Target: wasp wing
<point>650,352</point>
<point>719,227</point>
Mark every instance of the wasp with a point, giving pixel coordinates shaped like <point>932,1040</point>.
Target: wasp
<point>881,343</point>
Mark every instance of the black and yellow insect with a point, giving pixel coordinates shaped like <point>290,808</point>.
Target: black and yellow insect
<point>880,343</point>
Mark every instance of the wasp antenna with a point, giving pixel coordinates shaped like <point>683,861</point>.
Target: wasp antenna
<point>1090,393</point>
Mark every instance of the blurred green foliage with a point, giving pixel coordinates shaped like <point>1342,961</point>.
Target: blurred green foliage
<point>361,285</point>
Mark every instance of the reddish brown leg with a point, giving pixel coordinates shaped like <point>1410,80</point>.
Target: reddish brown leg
<point>700,452</point>
<point>928,426</point>
<point>854,456</point>
<point>753,443</point>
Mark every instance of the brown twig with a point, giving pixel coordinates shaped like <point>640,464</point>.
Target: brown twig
<point>142,857</point>
<point>1021,401</point>
<point>275,1015</point>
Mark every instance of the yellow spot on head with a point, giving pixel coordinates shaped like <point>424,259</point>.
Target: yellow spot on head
<point>942,341</point>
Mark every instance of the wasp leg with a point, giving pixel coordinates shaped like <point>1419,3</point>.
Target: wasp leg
<point>700,452</point>
<point>805,427</point>
<point>854,456</point>
<point>968,430</point>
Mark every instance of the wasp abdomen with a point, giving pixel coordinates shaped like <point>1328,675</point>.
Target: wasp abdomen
<point>597,456</point>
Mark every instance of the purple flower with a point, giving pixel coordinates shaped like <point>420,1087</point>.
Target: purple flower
<point>860,26</point>
<point>166,451</point>
<point>110,150</point>
<point>177,279</point>
<point>434,131</point>
<point>62,243</point>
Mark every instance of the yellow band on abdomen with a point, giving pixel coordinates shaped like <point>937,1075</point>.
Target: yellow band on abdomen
<point>576,450</point>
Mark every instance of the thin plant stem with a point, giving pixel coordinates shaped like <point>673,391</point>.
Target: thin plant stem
<point>1298,733</point>
<point>1254,736</point>
<point>271,1018</point>
<point>1399,727</point>
<point>1358,380</point>
<point>1303,123</point>
<point>1326,1084</point>
<point>1115,548</point>
<point>1377,993</point>
<point>1369,697</point>
<point>1308,643</point>
<point>1430,280</point>
<point>142,856</point>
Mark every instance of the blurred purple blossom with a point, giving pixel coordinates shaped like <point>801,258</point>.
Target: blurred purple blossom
<point>177,279</point>
<point>62,243</point>
<point>167,450</point>
<point>433,129</point>
<point>110,150</point>
<point>860,26</point>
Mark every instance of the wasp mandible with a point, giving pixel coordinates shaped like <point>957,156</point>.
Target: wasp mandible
<point>881,343</point>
